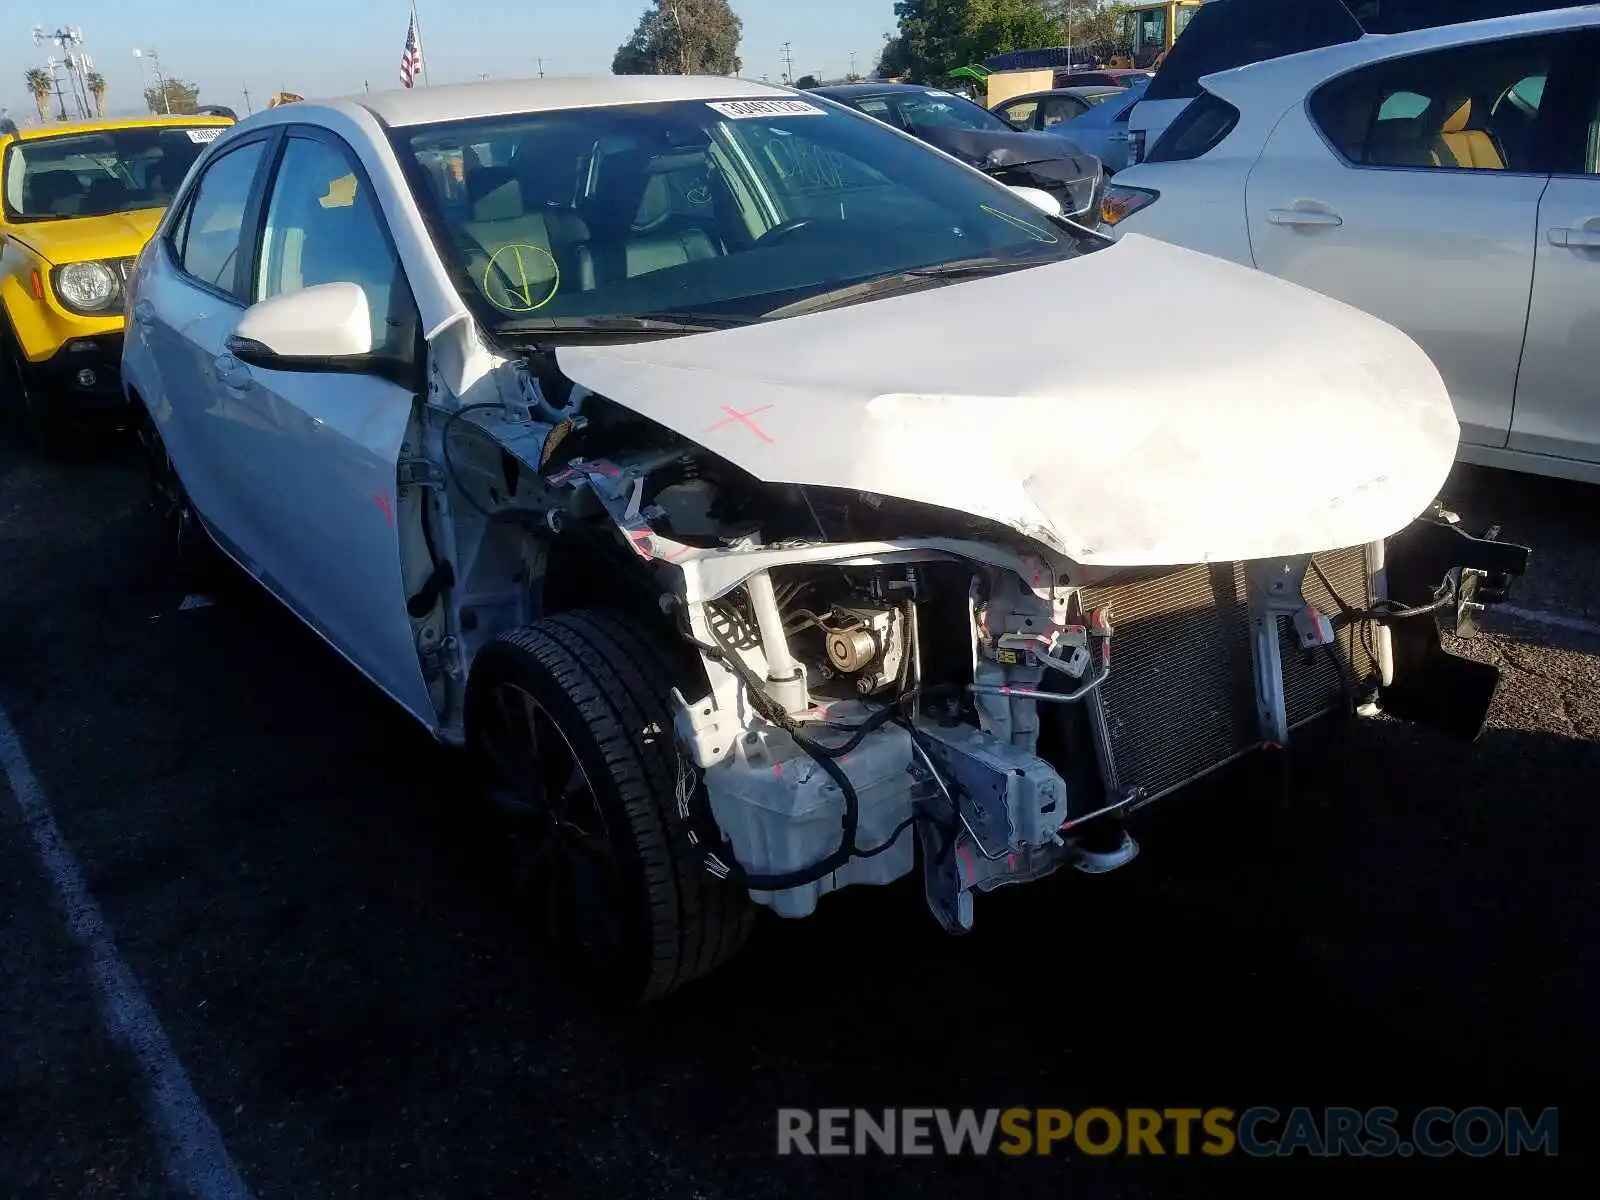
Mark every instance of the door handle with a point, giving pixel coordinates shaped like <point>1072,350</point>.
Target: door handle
<point>144,312</point>
<point>1575,239</point>
<point>230,371</point>
<point>1301,217</point>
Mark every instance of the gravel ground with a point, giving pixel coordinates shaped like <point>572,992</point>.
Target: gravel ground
<point>284,863</point>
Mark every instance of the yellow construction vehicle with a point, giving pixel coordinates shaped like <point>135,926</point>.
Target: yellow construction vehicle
<point>1148,31</point>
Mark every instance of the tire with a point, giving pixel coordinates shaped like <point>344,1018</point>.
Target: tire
<point>604,685</point>
<point>204,568</point>
<point>42,428</point>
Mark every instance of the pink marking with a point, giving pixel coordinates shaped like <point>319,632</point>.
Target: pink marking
<point>1011,862</point>
<point>965,853</point>
<point>382,502</point>
<point>640,538</point>
<point>777,770</point>
<point>743,418</point>
<point>611,470</point>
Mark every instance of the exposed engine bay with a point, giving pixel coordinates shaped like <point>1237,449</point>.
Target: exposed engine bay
<point>872,674</point>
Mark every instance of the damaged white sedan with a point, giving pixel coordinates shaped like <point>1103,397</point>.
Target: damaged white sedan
<point>706,460</point>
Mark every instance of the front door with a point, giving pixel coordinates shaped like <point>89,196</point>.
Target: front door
<point>1410,189</point>
<point>323,445</point>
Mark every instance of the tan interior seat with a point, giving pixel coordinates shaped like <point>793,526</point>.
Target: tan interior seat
<point>1460,145</point>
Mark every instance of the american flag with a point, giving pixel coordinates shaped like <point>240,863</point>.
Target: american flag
<point>411,59</point>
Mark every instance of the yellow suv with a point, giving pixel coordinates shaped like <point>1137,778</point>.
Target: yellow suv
<point>78,200</point>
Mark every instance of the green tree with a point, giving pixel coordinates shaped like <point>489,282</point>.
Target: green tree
<point>40,85</point>
<point>180,96</point>
<point>894,60</point>
<point>808,81</point>
<point>97,89</point>
<point>937,36</point>
<point>682,37</point>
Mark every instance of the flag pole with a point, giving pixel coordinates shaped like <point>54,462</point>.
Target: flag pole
<point>421,43</point>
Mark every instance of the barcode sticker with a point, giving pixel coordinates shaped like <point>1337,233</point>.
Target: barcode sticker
<point>737,109</point>
<point>203,135</point>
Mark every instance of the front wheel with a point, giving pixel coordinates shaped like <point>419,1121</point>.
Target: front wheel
<point>40,423</point>
<point>570,719</point>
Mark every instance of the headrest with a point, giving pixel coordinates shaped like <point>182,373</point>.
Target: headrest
<point>494,193</point>
<point>46,189</point>
<point>1457,121</point>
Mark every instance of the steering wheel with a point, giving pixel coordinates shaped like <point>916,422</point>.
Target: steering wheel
<point>784,229</point>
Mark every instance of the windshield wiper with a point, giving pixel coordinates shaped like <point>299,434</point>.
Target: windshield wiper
<point>912,277</point>
<point>624,323</point>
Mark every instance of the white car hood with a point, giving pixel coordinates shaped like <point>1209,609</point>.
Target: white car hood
<point>1222,415</point>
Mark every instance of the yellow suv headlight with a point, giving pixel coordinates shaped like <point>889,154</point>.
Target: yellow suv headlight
<point>90,288</point>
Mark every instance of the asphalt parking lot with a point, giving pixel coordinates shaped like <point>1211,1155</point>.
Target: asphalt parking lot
<point>284,866</point>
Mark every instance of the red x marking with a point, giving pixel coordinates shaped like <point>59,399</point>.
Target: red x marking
<point>743,418</point>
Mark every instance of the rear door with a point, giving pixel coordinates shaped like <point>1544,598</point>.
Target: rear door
<point>318,450</point>
<point>1558,388</point>
<point>1057,110</point>
<point>190,297</point>
<point>1410,189</point>
<point>1023,112</point>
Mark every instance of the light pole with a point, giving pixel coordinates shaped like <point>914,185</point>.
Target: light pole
<point>67,37</point>
<point>161,83</point>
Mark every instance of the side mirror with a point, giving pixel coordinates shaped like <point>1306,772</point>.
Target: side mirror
<point>1040,199</point>
<point>324,327</point>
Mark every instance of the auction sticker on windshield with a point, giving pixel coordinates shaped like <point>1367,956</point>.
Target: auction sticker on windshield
<point>203,135</point>
<point>736,109</point>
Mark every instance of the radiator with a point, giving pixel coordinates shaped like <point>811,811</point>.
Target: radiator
<point>1181,701</point>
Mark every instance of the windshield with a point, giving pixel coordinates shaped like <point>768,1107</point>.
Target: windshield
<point>731,208</point>
<point>931,108</point>
<point>93,174</point>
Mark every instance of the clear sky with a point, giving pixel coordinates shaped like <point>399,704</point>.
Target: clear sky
<point>328,47</point>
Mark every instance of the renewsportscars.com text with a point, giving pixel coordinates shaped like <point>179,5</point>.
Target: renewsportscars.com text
<point>1210,1132</point>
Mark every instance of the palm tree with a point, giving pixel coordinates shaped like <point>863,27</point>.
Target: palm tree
<point>97,89</point>
<point>41,84</point>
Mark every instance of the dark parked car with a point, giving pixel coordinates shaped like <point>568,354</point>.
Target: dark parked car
<point>1108,77</point>
<point>975,135</point>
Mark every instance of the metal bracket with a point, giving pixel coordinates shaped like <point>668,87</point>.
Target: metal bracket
<point>1275,590</point>
<point>1421,557</point>
<point>419,472</point>
<point>1432,686</point>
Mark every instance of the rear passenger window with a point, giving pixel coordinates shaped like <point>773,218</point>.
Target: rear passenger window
<point>1472,108</point>
<point>1197,130</point>
<point>207,240</point>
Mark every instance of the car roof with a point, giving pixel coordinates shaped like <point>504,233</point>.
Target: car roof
<point>102,124</point>
<point>843,91</point>
<point>1294,71</point>
<point>1081,91</point>
<point>463,101</point>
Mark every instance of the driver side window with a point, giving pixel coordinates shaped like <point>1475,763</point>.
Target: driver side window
<point>324,226</point>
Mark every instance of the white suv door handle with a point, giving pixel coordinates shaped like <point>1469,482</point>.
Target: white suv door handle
<point>1577,239</point>
<point>230,371</point>
<point>1302,217</point>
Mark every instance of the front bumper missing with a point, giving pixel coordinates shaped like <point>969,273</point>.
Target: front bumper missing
<point>1431,559</point>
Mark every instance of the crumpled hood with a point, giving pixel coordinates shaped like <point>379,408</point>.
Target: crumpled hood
<point>1020,159</point>
<point>1008,147</point>
<point>1222,415</point>
<point>78,239</point>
